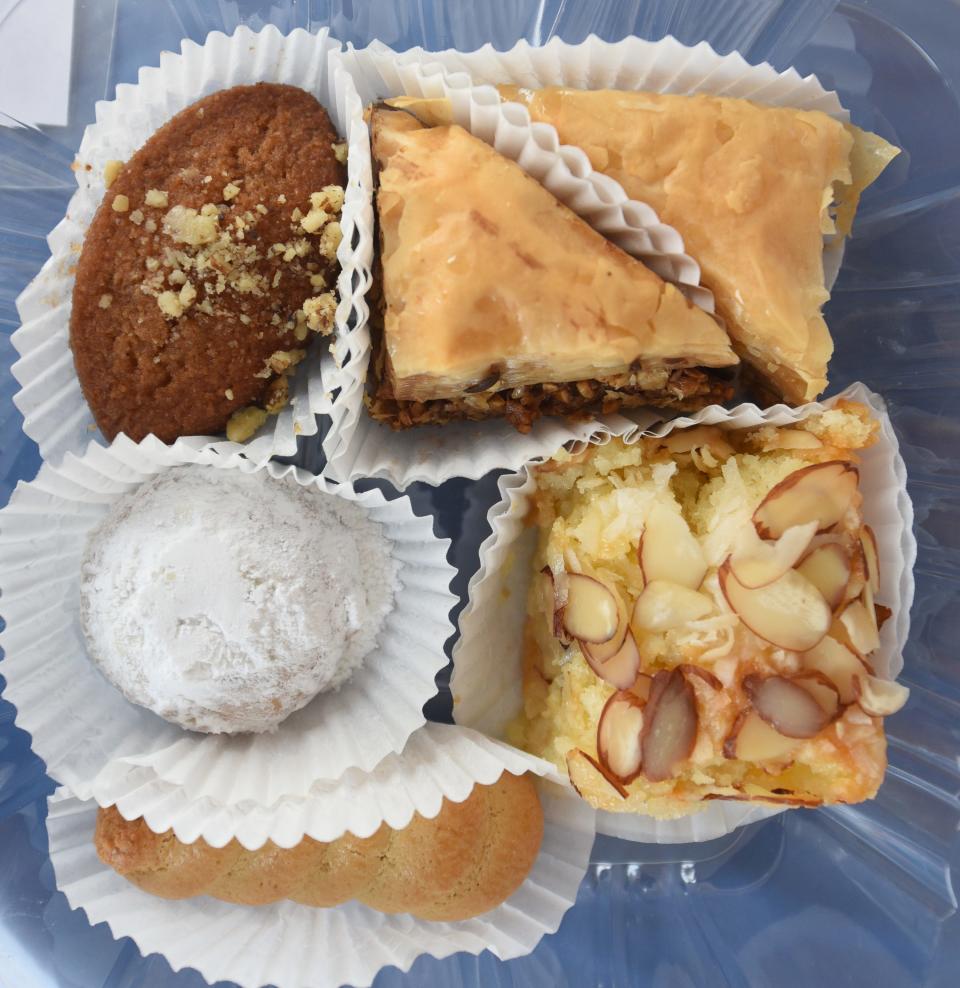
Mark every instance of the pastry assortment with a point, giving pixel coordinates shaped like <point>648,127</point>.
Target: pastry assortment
<point>702,617</point>
<point>210,267</point>
<point>463,862</point>
<point>704,606</point>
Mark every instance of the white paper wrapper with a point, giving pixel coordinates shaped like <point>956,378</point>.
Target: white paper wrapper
<point>55,413</point>
<point>357,446</point>
<point>81,724</point>
<point>290,945</point>
<point>439,761</point>
<point>486,682</point>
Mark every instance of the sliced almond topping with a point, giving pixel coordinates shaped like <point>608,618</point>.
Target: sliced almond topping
<point>708,677</point>
<point>664,605</point>
<point>785,706</point>
<point>791,439</point>
<point>838,664</point>
<point>752,739</point>
<point>821,492</point>
<point>879,697</point>
<point>822,690</point>
<point>687,440</point>
<point>618,736</point>
<point>619,669</point>
<point>641,686</point>
<point>591,781</point>
<point>869,542</point>
<point>670,725</point>
<point>828,569</point>
<point>668,550</point>
<point>592,612</point>
<point>756,563</point>
<point>789,613</point>
<point>861,624</point>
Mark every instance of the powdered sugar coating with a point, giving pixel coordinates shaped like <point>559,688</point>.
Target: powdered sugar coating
<point>225,601</point>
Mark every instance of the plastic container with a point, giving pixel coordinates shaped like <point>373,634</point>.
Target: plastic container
<point>861,896</point>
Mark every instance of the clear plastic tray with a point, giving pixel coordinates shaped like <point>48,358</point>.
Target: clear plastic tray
<point>861,896</point>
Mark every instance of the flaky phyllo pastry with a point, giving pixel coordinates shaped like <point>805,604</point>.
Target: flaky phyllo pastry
<point>752,190</point>
<point>702,617</point>
<point>498,300</point>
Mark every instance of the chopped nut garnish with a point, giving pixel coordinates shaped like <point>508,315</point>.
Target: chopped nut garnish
<point>320,312</point>
<point>152,264</point>
<point>261,209</point>
<point>187,226</point>
<point>244,318</point>
<point>228,394</point>
<point>176,277</point>
<point>207,179</point>
<point>150,226</point>
<point>277,396</point>
<point>330,198</point>
<point>340,152</point>
<point>296,214</point>
<point>188,295</point>
<point>330,240</point>
<point>318,281</point>
<point>120,204</point>
<point>281,361</point>
<point>314,220</point>
<point>170,304</point>
<point>110,171</point>
<point>281,198</point>
<point>156,197</point>
<point>105,301</point>
<point>136,217</point>
<point>276,281</point>
<point>244,423</point>
<point>230,191</point>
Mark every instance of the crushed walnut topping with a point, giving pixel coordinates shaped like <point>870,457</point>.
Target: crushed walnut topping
<point>244,423</point>
<point>105,301</point>
<point>120,203</point>
<point>320,311</point>
<point>136,217</point>
<point>230,191</point>
<point>110,172</point>
<point>156,197</point>
<point>340,152</point>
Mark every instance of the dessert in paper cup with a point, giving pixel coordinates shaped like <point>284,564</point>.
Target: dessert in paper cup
<point>239,631</point>
<point>196,279</point>
<point>407,878</point>
<point>553,324</point>
<point>753,569</point>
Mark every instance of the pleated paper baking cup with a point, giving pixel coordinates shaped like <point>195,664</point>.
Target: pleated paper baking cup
<point>56,415</point>
<point>358,446</point>
<point>295,946</point>
<point>81,724</point>
<point>439,761</point>
<point>486,680</point>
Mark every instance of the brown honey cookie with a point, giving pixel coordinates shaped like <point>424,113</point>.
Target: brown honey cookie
<point>210,266</point>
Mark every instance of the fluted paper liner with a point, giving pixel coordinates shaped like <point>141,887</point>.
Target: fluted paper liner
<point>439,761</point>
<point>81,724</point>
<point>290,945</point>
<point>486,680</point>
<point>55,413</point>
<point>358,446</point>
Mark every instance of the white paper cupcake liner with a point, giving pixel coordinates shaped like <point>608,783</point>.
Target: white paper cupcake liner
<point>56,416</point>
<point>439,761</point>
<point>486,682</point>
<point>289,945</point>
<point>358,446</point>
<point>81,724</point>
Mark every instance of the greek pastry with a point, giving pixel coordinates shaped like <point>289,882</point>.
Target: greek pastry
<point>499,301</point>
<point>752,190</point>
<point>209,267</point>
<point>702,616</point>
<point>461,863</point>
<point>224,601</point>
